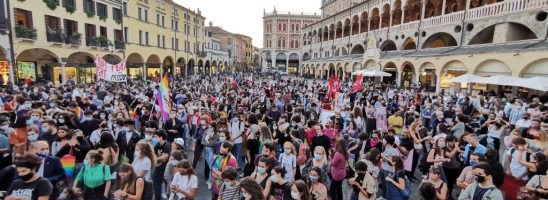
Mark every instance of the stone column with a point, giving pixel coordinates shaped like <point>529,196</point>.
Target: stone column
<point>274,63</point>
<point>402,16</point>
<point>423,9</point>
<point>443,7</point>
<point>390,16</point>
<point>63,72</point>
<point>287,65</point>
<point>438,81</point>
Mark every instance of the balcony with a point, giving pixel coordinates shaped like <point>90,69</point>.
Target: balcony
<point>201,54</point>
<point>25,32</point>
<point>93,42</point>
<point>119,44</point>
<point>74,39</point>
<point>56,36</point>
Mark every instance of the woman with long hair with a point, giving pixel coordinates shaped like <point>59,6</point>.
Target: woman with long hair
<point>318,190</point>
<point>252,142</point>
<point>251,189</point>
<point>300,191</point>
<point>338,169</point>
<point>128,185</point>
<point>144,160</point>
<point>319,160</point>
<point>434,177</point>
<point>185,182</point>
<point>108,145</point>
<point>64,135</point>
<point>265,135</point>
<point>260,175</point>
<point>395,182</point>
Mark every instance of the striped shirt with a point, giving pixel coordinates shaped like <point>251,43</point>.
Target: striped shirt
<point>230,193</point>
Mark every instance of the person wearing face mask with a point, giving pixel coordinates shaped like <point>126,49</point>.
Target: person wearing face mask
<point>318,190</point>
<point>300,191</point>
<point>29,185</point>
<point>162,150</point>
<point>201,132</point>
<point>185,182</point>
<point>50,167</point>
<point>484,188</point>
<point>260,175</point>
<point>277,187</point>
<point>174,127</point>
<point>89,123</point>
<point>144,160</point>
<point>251,190</point>
<point>128,185</point>
<point>467,175</point>
<point>230,188</point>
<point>224,161</point>
<point>320,139</point>
<point>95,176</point>
<point>127,138</point>
<point>169,173</point>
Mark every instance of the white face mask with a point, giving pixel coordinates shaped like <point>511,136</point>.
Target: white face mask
<point>274,178</point>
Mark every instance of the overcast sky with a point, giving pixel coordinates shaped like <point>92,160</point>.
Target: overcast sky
<point>246,16</point>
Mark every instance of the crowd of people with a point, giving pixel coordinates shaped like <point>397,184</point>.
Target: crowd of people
<point>266,137</point>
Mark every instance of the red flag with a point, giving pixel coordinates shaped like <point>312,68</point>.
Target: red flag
<point>334,86</point>
<point>358,83</point>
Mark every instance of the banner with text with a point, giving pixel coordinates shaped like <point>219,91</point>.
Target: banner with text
<point>109,72</point>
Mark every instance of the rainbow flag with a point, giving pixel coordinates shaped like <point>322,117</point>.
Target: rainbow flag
<point>163,98</point>
<point>69,164</point>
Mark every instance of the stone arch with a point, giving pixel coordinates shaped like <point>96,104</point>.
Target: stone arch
<point>81,67</point>
<point>356,66</point>
<point>407,74</point>
<point>339,30</point>
<point>516,31</point>
<point>535,68</point>
<point>413,10</point>
<point>357,49</point>
<point>153,65</point>
<point>396,13</point>
<point>375,19</point>
<point>200,66</point>
<point>364,25</point>
<point>134,59</point>
<point>167,65</point>
<point>306,56</point>
<point>344,52</point>
<point>385,16</point>
<point>112,58</point>
<point>427,76</point>
<point>388,45</point>
<point>346,27</point>
<point>409,44</point>
<point>355,24</point>
<point>332,32</point>
<point>391,68</point>
<point>190,66</point>
<point>492,67</point>
<point>439,40</point>
<point>81,57</point>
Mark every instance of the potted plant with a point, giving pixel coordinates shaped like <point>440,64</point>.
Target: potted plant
<point>102,17</point>
<point>51,4</point>
<point>90,14</point>
<point>103,41</point>
<point>69,8</point>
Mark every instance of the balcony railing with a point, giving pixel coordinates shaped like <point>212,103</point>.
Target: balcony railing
<point>25,32</point>
<point>118,44</point>
<point>57,36</point>
<point>443,19</point>
<point>93,42</point>
<point>74,39</point>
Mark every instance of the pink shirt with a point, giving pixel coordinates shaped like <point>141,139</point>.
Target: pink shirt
<point>338,167</point>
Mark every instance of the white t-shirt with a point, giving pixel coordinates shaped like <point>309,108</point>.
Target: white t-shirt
<point>516,168</point>
<point>185,183</point>
<point>143,164</point>
<point>494,133</point>
<point>288,162</point>
<point>236,129</point>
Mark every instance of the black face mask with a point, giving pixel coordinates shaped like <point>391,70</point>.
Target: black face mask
<point>223,154</point>
<point>27,177</point>
<point>480,179</point>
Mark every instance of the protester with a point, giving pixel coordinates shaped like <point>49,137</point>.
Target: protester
<point>95,177</point>
<point>29,185</point>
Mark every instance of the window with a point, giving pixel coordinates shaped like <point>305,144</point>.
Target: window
<point>90,32</point>
<point>146,39</point>
<point>102,10</point>
<point>146,15</point>
<point>117,14</point>
<point>140,37</point>
<point>172,43</point>
<point>158,40</point>
<point>163,20</point>
<point>89,6</point>
<point>158,19</point>
<point>139,12</point>
<point>176,44</point>
<point>125,8</point>
<point>103,31</point>
<point>71,27</point>
<point>297,27</point>
<point>163,41</point>
<point>126,34</point>
<point>53,23</point>
<point>3,18</point>
<point>118,35</point>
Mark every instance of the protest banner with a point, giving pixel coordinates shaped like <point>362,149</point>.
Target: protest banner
<point>108,72</point>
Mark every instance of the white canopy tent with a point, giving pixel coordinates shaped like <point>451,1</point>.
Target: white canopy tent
<point>536,83</point>
<point>372,73</point>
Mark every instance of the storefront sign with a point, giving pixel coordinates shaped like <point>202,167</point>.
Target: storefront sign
<point>109,72</point>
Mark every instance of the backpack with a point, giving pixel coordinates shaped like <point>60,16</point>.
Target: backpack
<point>406,193</point>
<point>304,154</point>
<point>148,191</point>
<point>527,154</point>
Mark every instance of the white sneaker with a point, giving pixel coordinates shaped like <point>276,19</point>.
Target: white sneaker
<point>164,196</point>
<point>208,185</point>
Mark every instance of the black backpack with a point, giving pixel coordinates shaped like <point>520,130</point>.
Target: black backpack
<point>148,191</point>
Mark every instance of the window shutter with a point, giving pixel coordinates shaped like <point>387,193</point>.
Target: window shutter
<point>29,19</point>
